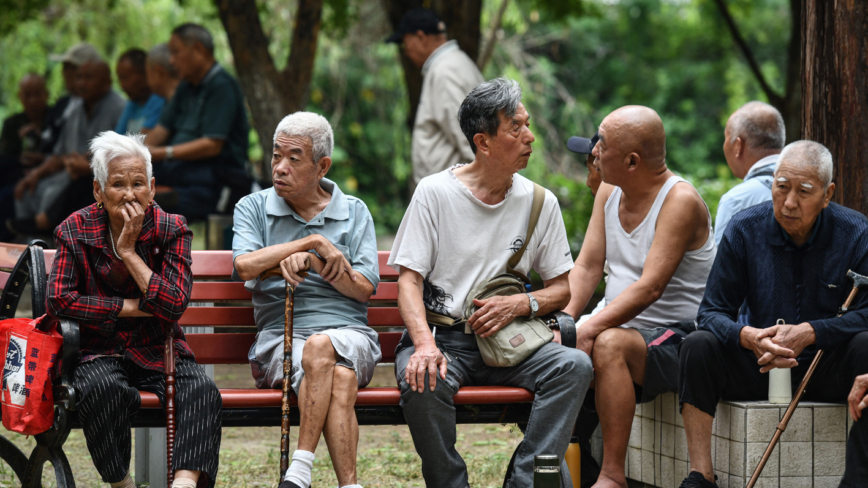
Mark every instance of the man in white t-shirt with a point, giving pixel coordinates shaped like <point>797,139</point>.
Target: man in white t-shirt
<point>460,229</point>
<point>654,230</point>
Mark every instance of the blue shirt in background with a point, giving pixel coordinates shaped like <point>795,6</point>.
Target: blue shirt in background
<point>140,116</point>
<point>755,189</point>
<point>758,264</point>
<point>264,219</point>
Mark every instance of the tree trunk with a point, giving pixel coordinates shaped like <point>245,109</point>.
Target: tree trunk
<point>462,19</point>
<point>835,91</point>
<point>270,94</point>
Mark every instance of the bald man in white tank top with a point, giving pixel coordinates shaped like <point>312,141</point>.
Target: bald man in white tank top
<point>655,231</point>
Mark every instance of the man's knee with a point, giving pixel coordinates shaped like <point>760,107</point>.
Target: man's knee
<point>614,344</point>
<point>574,367</point>
<point>859,347</point>
<point>345,387</point>
<point>319,354</point>
<point>698,347</point>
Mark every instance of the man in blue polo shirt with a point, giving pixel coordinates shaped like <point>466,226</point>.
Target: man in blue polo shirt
<point>143,107</point>
<point>305,220</point>
<point>200,144</point>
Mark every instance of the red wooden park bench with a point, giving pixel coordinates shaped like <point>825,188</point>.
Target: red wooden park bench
<point>232,317</point>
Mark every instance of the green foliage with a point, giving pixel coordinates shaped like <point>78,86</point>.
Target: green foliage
<point>13,12</point>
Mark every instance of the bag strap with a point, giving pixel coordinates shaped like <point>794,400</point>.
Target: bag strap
<point>539,196</point>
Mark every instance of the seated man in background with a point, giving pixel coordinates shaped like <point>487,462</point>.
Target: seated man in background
<point>654,230</point>
<point>143,107</point>
<point>752,141</point>
<point>201,142</point>
<point>71,60</point>
<point>440,263</point>
<point>162,77</point>
<point>305,221</point>
<point>62,184</point>
<point>20,143</point>
<point>788,259</point>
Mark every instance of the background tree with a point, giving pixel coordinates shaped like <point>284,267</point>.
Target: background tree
<point>835,91</point>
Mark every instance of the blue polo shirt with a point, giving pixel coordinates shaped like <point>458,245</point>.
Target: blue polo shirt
<point>138,116</point>
<point>264,219</point>
<point>755,189</point>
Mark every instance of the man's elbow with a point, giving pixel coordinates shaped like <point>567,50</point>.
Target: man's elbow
<point>561,298</point>
<point>244,271</point>
<point>213,148</point>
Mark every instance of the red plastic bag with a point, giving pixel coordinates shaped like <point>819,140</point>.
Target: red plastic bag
<point>31,357</point>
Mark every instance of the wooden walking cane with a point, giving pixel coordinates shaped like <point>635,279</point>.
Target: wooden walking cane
<point>287,365</point>
<point>859,282</point>
<point>170,404</point>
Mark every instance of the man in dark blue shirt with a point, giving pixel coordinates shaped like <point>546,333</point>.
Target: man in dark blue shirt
<point>200,144</point>
<point>788,259</point>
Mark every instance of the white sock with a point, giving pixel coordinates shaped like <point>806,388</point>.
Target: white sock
<point>127,482</point>
<point>183,483</point>
<point>299,469</point>
<point>351,486</point>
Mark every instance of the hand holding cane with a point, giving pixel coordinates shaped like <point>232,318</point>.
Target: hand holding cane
<point>859,282</point>
<point>287,363</point>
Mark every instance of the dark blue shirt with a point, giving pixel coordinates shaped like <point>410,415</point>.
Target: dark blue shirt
<point>758,263</point>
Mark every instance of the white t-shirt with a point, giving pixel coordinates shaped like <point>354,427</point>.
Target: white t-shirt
<point>455,241</point>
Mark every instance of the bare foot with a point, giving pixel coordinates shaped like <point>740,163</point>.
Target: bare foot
<point>606,482</point>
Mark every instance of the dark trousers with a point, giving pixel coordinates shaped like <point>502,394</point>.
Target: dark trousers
<point>195,183</point>
<point>108,388</point>
<point>711,372</point>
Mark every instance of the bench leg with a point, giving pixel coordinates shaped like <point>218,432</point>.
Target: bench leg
<point>13,456</point>
<point>38,458</point>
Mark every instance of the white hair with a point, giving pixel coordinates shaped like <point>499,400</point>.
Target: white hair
<point>759,124</point>
<point>310,125</point>
<point>110,145</point>
<point>809,154</point>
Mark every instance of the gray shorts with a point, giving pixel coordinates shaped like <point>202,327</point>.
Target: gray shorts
<point>46,193</point>
<point>661,367</point>
<point>357,347</point>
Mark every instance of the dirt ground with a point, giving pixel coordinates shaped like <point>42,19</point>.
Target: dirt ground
<point>249,457</point>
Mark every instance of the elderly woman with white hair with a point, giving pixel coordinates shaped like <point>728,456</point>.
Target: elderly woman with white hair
<point>305,220</point>
<point>787,260</point>
<point>122,270</point>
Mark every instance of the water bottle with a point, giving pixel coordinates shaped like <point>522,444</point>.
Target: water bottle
<point>780,383</point>
<point>546,471</point>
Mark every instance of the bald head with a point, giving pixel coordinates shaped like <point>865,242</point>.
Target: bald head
<point>33,96</point>
<point>636,129</point>
<point>93,81</point>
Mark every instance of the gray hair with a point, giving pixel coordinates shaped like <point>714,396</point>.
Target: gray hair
<point>159,55</point>
<point>809,154</point>
<point>760,125</point>
<point>310,125</point>
<point>480,110</point>
<point>110,145</point>
<point>192,33</point>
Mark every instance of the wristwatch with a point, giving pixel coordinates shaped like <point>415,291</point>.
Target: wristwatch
<point>534,305</point>
<point>170,152</point>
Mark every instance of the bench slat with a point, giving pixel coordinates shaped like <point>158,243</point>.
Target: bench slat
<point>222,348</point>
<point>241,316</point>
<point>468,395</point>
<point>208,291</point>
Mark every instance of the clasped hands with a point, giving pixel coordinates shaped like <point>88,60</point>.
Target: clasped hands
<point>777,346</point>
<point>491,315</point>
<point>331,267</point>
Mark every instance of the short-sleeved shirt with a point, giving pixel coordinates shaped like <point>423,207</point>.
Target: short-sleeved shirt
<point>79,127</point>
<point>455,241</point>
<point>264,219</point>
<point>138,116</point>
<point>214,109</point>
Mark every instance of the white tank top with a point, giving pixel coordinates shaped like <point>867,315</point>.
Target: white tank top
<point>626,254</point>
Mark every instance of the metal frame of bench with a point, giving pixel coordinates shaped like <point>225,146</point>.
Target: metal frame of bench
<point>241,407</point>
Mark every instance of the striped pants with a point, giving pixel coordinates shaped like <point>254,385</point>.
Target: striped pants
<point>108,396</point>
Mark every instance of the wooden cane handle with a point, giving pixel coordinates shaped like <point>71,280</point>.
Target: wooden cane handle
<point>275,271</point>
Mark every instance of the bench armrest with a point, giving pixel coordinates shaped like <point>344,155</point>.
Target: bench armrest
<point>64,393</point>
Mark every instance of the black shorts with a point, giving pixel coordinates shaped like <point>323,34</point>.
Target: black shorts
<point>661,366</point>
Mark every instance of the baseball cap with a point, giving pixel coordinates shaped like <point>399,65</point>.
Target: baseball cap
<point>583,145</point>
<point>79,54</point>
<point>418,19</point>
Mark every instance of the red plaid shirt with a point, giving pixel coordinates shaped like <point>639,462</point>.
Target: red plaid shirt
<point>79,287</point>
